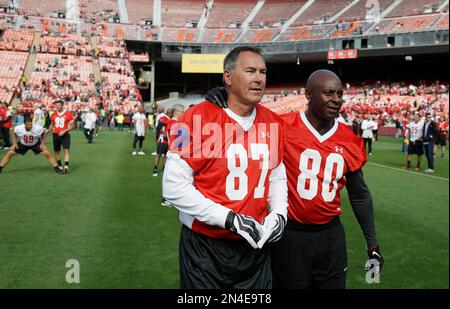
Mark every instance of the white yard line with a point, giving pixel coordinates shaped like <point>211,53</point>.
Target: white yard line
<point>407,171</point>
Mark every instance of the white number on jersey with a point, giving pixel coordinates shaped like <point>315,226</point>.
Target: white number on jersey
<point>235,151</point>
<point>309,175</point>
<point>59,122</point>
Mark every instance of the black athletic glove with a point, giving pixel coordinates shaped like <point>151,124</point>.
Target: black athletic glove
<point>245,226</point>
<point>375,259</point>
<point>219,96</point>
<point>273,225</point>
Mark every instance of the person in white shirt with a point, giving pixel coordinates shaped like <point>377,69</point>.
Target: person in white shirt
<point>29,136</point>
<point>89,125</point>
<point>414,141</point>
<point>139,130</point>
<point>367,133</point>
<point>375,129</point>
<point>38,116</point>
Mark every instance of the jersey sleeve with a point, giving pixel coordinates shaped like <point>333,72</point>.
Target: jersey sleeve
<point>357,155</point>
<point>184,144</point>
<point>164,120</point>
<point>17,130</point>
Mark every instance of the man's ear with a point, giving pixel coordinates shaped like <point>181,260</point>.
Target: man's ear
<point>308,94</point>
<point>227,78</point>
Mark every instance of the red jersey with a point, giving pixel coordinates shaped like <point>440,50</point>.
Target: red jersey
<point>315,167</point>
<point>231,164</point>
<point>442,127</point>
<point>5,118</point>
<point>60,121</point>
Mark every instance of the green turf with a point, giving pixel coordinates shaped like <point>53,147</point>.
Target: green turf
<point>106,214</point>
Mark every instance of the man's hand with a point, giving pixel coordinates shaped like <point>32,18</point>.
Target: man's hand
<point>245,226</point>
<point>61,133</point>
<point>273,225</point>
<point>375,259</point>
<point>219,96</point>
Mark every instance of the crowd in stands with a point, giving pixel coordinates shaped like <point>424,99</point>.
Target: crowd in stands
<point>110,47</point>
<point>388,102</point>
<point>63,70</point>
<point>65,77</point>
<point>385,102</point>
<point>118,85</point>
<point>68,44</point>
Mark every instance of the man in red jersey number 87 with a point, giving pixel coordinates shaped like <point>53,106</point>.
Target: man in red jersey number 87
<point>228,182</point>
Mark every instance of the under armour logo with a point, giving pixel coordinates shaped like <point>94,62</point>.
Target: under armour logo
<point>339,149</point>
<point>265,134</point>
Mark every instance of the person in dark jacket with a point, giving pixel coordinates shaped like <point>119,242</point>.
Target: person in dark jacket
<point>429,135</point>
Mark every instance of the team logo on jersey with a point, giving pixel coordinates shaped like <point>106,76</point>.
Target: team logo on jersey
<point>265,134</point>
<point>339,149</point>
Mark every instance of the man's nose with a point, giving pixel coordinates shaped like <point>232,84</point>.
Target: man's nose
<point>259,77</point>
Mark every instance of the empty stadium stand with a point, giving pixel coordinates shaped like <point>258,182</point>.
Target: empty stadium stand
<point>12,64</point>
<point>139,10</point>
<point>320,10</point>
<point>98,10</point>
<point>42,7</point>
<point>360,11</point>
<point>226,13</point>
<point>275,11</point>
<point>414,7</point>
<point>178,13</point>
<point>220,35</point>
<point>17,40</point>
<point>318,19</point>
<point>406,24</point>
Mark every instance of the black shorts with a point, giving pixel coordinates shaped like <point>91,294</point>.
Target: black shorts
<point>59,141</point>
<point>441,140</point>
<point>22,149</point>
<point>415,148</point>
<point>208,263</point>
<point>310,256</point>
<point>161,148</point>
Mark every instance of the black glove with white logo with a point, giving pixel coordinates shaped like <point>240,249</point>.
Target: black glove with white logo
<point>375,259</point>
<point>219,96</point>
<point>245,226</point>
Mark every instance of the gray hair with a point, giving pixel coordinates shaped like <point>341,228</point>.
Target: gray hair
<point>231,58</point>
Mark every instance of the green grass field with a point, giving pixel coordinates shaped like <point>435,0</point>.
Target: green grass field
<point>106,214</point>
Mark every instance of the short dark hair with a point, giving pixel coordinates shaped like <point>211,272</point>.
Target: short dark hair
<point>58,101</point>
<point>232,56</point>
<point>27,117</point>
